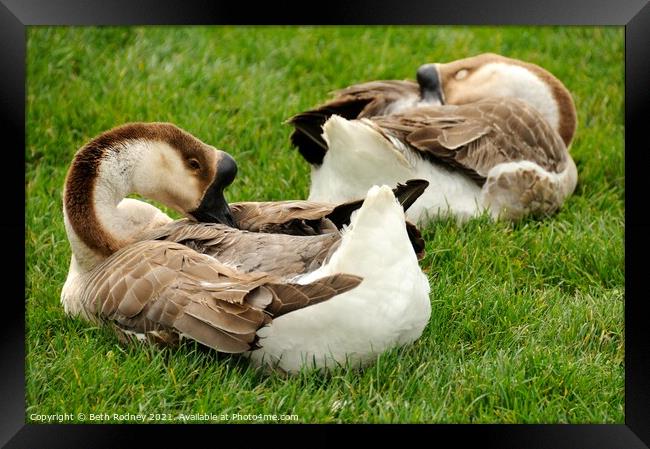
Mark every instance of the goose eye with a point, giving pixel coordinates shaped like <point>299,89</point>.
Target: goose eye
<point>461,74</point>
<point>194,164</point>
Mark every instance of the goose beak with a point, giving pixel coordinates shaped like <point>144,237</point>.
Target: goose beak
<point>430,88</point>
<point>214,207</point>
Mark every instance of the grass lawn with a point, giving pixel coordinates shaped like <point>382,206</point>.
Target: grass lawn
<point>527,320</point>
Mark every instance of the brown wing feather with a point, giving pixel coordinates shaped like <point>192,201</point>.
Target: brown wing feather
<point>315,217</point>
<point>309,217</point>
<point>165,289</point>
<point>277,246</point>
<point>378,95</point>
<point>287,297</point>
<point>286,217</point>
<point>278,254</point>
<point>476,137</point>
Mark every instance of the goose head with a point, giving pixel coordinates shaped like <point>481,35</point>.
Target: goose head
<point>490,75</point>
<point>158,161</point>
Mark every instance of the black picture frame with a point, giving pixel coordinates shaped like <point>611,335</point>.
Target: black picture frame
<point>15,15</point>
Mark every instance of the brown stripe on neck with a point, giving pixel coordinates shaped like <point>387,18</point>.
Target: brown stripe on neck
<point>79,199</point>
<point>82,176</point>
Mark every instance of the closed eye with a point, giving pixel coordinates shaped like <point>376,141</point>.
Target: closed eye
<point>194,164</point>
<point>462,73</point>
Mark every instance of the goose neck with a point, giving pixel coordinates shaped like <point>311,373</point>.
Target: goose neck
<point>98,217</point>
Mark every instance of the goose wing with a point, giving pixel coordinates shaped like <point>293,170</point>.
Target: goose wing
<point>163,290</point>
<point>311,217</point>
<point>478,136</point>
<point>317,218</point>
<point>282,238</point>
<point>357,101</point>
<point>278,254</point>
<point>286,217</point>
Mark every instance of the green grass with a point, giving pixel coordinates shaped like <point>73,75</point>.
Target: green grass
<point>527,319</point>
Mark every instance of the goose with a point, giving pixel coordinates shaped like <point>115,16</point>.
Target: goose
<point>301,285</point>
<point>489,133</point>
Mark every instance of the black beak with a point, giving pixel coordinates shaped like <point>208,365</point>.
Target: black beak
<point>213,207</point>
<point>429,81</point>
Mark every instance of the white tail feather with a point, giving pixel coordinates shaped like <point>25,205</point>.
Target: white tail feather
<point>389,308</point>
<point>375,240</point>
<point>358,156</point>
<point>361,140</point>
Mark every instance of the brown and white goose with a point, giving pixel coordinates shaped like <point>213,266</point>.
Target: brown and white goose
<point>300,292</point>
<point>487,132</point>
